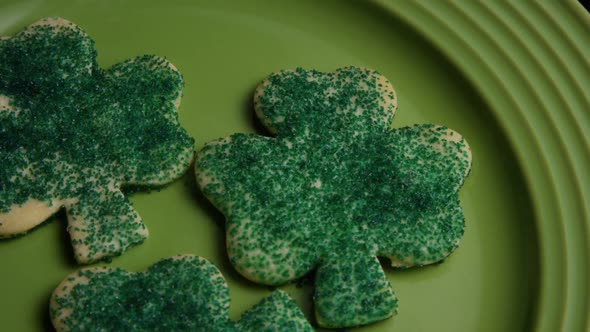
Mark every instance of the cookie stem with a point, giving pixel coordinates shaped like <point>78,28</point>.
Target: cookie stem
<point>351,291</point>
<point>103,224</point>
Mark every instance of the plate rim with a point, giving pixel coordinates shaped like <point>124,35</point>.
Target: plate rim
<point>465,32</point>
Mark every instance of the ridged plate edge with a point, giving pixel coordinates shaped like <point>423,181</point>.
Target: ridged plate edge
<point>530,61</point>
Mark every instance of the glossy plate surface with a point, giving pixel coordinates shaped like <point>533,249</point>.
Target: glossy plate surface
<point>509,77</point>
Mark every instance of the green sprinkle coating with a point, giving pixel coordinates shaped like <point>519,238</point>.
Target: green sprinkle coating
<point>71,134</point>
<point>181,293</point>
<point>334,189</point>
<point>277,313</point>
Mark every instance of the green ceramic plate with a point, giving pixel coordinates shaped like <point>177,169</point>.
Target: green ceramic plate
<point>509,77</point>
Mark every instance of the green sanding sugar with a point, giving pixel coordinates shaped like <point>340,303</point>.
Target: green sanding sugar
<point>334,189</point>
<point>277,313</point>
<point>73,132</point>
<point>183,293</point>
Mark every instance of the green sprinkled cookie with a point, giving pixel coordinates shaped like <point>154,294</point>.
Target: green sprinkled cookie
<point>181,293</point>
<point>334,189</point>
<point>71,134</point>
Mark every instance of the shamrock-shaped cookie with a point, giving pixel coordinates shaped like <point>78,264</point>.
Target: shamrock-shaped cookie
<point>335,189</point>
<point>71,134</point>
<point>181,293</point>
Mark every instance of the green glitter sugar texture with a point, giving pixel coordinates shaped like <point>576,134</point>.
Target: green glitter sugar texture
<point>71,134</point>
<point>335,188</point>
<point>181,293</point>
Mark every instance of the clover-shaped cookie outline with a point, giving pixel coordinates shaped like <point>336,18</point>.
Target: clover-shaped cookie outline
<point>72,133</point>
<point>335,189</point>
<point>180,293</point>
